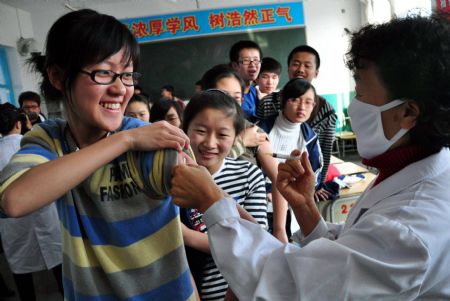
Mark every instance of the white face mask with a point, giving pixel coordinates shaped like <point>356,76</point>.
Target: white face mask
<point>368,127</point>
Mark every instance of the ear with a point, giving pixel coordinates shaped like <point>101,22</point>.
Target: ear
<point>18,125</point>
<point>235,66</point>
<point>54,76</point>
<point>411,113</point>
<point>317,73</point>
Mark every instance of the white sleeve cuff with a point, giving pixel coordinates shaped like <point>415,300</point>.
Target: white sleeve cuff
<point>223,209</point>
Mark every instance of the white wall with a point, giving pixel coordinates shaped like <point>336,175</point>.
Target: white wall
<point>325,22</point>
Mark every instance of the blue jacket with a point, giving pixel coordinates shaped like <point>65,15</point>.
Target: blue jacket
<point>311,139</point>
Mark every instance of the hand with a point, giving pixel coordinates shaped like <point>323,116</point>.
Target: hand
<point>193,187</point>
<point>158,135</point>
<point>321,195</point>
<point>296,180</point>
<point>251,137</point>
<point>260,94</point>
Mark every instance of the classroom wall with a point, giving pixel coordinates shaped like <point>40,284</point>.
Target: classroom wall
<point>326,21</point>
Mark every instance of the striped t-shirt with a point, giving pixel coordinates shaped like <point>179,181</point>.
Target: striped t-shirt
<point>245,183</point>
<point>121,232</point>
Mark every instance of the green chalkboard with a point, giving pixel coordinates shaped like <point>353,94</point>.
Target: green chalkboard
<point>182,62</point>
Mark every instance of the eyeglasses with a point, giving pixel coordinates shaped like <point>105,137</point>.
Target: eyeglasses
<point>30,107</point>
<point>248,61</point>
<point>107,77</point>
<point>306,102</point>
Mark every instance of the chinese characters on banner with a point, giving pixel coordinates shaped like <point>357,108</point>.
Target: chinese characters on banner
<point>443,5</point>
<point>154,28</point>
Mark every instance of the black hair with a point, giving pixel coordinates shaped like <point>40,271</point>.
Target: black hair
<point>412,59</point>
<point>270,64</point>
<point>169,88</point>
<point>29,95</point>
<point>212,76</point>
<point>305,48</point>
<point>139,98</point>
<point>79,39</point>
<point>294,88</point>
<point>214,99</point>
<point>244,44</point>
<point>9,115</point>
<point>161,107</point>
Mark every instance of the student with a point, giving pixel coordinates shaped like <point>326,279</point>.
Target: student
<point>289,130</point>
<point>167,93</point>
<point>251,145</point>
<point>212,120</point>
<point>394,244</point>
<point>31,243</point>
<point>109,174</point>
<point>30,103</point>
<point>138,107</point>
<point>167,110</point>
<point>245,59</point>
<point>304,62</point>
<point>268,77</point>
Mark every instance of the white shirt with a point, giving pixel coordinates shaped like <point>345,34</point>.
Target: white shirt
<point>394,246</point>
<point>31,243</point>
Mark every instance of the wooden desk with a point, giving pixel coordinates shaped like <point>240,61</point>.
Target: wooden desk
<point>335,160</point>
<point>344,137</point>
<point>350,168</point>
<point>337,211</point>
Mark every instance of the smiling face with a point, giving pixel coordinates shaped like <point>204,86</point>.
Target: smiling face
<point>137,109</point>
<point>298,110</point>
<point>94,109</point>
<point>303,65</point>
<point>212,135</point>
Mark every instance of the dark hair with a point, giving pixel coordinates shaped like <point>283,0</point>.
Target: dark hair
<point>270,64</point>
<point>161,107</point>
<point>294,88</point>
<point>212,76</point>
<point>305,48</point>
<point>412,60</point>
<point>169,88</point>
<point>79,39</point>
<point>238,46</point>
<point>9,115</point>
<point>29,95</point>
<point>214,99</point>
<point>138,98</point>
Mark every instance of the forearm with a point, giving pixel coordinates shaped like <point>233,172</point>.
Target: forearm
<point>280,208</point>
<point>308,216</point>
<point>196,240</point>
<point>55,178</point>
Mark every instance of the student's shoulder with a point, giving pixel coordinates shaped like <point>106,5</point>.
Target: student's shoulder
<point>131,123</point>
<point>243,165</point>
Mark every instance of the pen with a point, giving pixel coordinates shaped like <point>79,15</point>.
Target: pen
<point>283,156</point>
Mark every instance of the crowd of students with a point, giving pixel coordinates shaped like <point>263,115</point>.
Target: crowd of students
<point>162,201</point>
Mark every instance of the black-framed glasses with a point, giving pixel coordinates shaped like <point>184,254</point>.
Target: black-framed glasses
<point>107,77</point>
<point>248,61</point>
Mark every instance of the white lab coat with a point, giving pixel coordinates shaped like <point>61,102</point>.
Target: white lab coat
<point>399,249</point>
<point>31,243</point>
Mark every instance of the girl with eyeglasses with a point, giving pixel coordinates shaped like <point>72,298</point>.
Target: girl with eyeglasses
<point>108,174</point>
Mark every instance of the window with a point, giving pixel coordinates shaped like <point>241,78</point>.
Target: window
<point>6,91</point>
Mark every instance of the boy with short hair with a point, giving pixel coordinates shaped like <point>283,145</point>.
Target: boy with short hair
<point>268,77</point>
